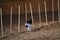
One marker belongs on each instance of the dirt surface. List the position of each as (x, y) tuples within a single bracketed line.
[(48, 32)]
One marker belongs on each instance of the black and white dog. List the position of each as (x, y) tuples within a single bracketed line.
[(28, 25)]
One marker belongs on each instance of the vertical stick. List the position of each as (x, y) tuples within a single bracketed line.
[(58, 12), (11, 21), (31, 14), (45, 11), (39, 13), (26, 12), (18, 18), (52, 10), (1, 24)]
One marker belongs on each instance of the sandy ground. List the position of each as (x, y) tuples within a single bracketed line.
[(48, 32)]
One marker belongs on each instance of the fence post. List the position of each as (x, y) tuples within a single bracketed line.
[(45, 12), (18, 18), (1, 22)]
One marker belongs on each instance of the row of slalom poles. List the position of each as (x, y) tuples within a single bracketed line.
[(39, 13), (32, 14), (18, 20)]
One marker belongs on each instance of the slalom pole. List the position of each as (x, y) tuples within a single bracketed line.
[(31, 14), (25, 12), (52, 10), (58, 12), (39, 13), (11, 21), (18, 18), (1, 24), (45, 12)]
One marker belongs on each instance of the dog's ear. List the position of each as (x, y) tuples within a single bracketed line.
[(30, 21)]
